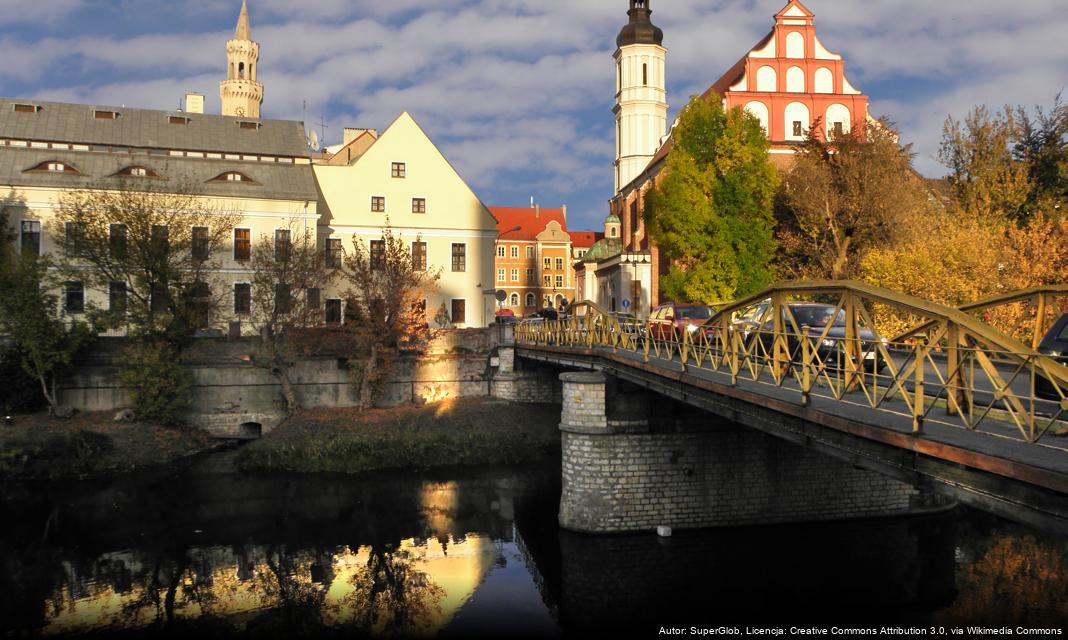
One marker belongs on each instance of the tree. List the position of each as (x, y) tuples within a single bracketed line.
[(30, 317), (711, 214), (157, 243), (386, 305), (846, 197), (1042, 145), (287, 273), (988, 181)]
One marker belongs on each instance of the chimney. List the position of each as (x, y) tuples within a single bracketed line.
[(563, 209), (537, 211), (351, 133), (194, 102)]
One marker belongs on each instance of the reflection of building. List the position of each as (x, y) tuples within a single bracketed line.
[(533, 258), (402, 179), (788, 80)]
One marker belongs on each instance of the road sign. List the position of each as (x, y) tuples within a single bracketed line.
[(501, 295), (626, 303)]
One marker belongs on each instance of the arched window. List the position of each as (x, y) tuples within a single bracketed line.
[(795, 45), (797, 121), (766, 80), (824, 81), (838, 120), (760, 112), (645, 74), (514, 300), (795, 80), (531, 299), (241, 70)]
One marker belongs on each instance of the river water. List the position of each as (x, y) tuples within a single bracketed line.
[(203, 550)]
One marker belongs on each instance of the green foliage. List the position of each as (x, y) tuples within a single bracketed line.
[(29, 316), (74, 452), (711, 214), (160, 387)]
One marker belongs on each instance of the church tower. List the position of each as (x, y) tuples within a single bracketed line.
[(241, 94), (641, 97)]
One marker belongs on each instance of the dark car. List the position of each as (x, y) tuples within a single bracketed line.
[(669, 321), (818, 318), (1055, 345)]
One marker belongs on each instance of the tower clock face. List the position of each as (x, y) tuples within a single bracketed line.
[(240, 111)]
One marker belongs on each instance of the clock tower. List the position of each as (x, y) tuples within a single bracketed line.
[(241, 94)]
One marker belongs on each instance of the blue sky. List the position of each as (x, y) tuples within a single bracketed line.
[(518, 93)]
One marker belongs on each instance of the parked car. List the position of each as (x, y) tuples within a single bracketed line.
[(1055, 345), (750, 319), (669, 321), (816, 317)]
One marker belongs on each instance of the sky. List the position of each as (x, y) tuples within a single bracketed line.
[(518, 94)]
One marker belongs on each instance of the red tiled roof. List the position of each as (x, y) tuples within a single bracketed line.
[(508, 218), (585, 239)]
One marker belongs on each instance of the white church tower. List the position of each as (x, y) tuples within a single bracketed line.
[(641, 97), (241, 95)]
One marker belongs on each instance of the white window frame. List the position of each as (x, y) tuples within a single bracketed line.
[(501, 275), (530, 252), (515, 251), (451, 308), (515, 275), (501, 251)]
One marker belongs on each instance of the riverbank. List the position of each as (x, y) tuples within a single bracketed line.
[(39, 446), (467, 432)]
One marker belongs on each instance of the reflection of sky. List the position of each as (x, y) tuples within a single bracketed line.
[(506, 604)]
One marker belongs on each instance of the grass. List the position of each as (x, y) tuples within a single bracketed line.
[(90, 444), (465, 432)]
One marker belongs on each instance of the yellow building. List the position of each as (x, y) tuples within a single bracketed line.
[(401, 178)]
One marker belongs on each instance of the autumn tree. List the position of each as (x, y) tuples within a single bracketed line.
[(845, 197), (388, 285), (31, 316), (711, 214), (153, 247), (1042, 145), (285, 305)]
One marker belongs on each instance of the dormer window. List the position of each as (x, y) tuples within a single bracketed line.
[(102, 114), (54, 166), (178, 119), (25, 108), (138, 172), (248, 124), (232, 176)]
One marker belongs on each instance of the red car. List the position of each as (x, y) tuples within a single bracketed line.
[(669, 321)]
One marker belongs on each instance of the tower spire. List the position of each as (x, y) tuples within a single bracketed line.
[(243, 31)]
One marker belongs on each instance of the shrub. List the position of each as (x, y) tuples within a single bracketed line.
[(161, 389)]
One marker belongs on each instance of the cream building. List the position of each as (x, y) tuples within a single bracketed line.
[(400, 177)]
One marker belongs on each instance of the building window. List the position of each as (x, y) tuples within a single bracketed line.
[(25, 108), (798, 130), (232, 176), (31, 237), (100, 114), (378, 204), (74, 297), (515, 251), (242, 244), (547, 280), (500, 275), (547, 263), (178, 120), (398, 170), (139, 172), (378, 255), (283, 298), (559, 282), (201, 243), (530, 275), (531, 300), (459, 257), (117, 240), (418, 205), (580, 252), (645, 74), (501, 251), (314, 297), (242, 299), (334, 252), (419, 256), (513, 300), (839, 129), (333, 311), (117, 297), (57, 167), (74, 242), (283, 244), (515, 275), (559, 264), (459, 311), (158, 298), (161, 239), (530, 252)]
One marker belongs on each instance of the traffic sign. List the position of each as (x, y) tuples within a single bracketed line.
[(626, 303), (501, 295)]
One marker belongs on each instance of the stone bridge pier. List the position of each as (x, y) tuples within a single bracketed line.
[(633, 461)]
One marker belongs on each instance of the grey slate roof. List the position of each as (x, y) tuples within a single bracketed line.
[(96, 170), (146, 128)]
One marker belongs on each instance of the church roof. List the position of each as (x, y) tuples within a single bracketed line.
[(243, 30), (150, 129), (603, 249), (531, 222), (640, 29)]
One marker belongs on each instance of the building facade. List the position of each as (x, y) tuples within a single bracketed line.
[(533, 259), (401, 179)]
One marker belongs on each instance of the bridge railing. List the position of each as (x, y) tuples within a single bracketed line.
[(974, 376)]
